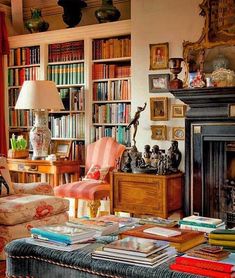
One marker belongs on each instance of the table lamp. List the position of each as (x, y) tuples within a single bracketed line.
[(39, 96)]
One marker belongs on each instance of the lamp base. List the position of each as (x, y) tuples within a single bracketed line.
[(40, 135)]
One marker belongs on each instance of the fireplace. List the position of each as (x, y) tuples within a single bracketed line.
[(210, 152)]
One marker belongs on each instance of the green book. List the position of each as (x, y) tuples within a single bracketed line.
[(198, 224)]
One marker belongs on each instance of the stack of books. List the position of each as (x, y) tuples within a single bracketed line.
[(209, 266), (181, 239), (136, 251), (200, 223), (222, 237), (66, 237), (102, 227)]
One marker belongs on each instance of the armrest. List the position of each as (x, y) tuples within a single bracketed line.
[(34, 188)]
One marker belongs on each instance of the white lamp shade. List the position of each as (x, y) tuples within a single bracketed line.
[(39, 94)]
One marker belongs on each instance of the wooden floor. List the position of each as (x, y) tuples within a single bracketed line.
[(2, 269)]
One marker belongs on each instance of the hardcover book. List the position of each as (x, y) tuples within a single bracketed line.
[(225, 265), (203, 220), (162, 232), (136, 246)]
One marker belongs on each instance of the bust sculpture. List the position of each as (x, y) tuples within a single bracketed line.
[(175, 156)]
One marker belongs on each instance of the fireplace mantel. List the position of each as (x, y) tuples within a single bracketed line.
[(206, 102)]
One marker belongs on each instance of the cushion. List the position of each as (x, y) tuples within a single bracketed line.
[(87, 190), (97, 173), (8, 233), (21, 208), (6, 187)]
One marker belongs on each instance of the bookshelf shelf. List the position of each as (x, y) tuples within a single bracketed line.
[(112, 101), (24, 66), (111, 79), (110, 124), (121, 59), (70, 85), (66, 62), (67, 138)]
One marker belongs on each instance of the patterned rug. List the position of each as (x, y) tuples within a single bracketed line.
[(2, 269)]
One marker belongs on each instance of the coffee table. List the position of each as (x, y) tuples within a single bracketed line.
[(31, 261)]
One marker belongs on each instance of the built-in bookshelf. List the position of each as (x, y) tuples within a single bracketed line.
[(66, 69), (23, 64), (92, 73), (111, 88)]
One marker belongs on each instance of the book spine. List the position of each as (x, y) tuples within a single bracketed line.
[(196, 228), (197, 224), (228, 243), (217, 266), (200, 271), (222, 236)]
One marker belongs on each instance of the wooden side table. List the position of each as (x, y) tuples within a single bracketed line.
[(146, 194), (54, 169)]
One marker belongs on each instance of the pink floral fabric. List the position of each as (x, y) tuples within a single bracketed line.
[(41, 188), (9, 233), (21, 208)]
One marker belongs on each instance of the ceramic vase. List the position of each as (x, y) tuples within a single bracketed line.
[(36, 23), (107, 12)]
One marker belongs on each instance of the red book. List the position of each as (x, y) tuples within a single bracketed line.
[(223, 265), (201, 271)]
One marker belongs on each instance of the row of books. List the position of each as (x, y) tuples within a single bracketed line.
[(13, 94), (115, 90), (20, 118), (119, 133), (17, 76), (200, 223), (24, 56), (103, 71), (112, 113), (78, 151), (70, 126), (66, 74), (111, 48), (73, 98), (67, 51)]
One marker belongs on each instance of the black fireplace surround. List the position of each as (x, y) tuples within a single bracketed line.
[(209, 151)]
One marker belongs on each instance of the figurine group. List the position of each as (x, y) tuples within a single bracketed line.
[(153, 160)]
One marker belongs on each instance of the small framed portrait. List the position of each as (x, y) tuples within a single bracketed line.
[(178, 110), (158, 82), (62, 148), (159, 109), (159, 132), (159, 56), (178, 133)]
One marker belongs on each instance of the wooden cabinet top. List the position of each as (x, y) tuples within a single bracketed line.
[(142, 175)]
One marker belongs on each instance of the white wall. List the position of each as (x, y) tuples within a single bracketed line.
[(158, 21)]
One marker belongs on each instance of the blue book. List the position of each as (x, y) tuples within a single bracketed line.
[(65, 233)]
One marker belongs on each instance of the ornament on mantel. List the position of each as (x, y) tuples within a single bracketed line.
[(72, 11), (36, 23), (107, 12)]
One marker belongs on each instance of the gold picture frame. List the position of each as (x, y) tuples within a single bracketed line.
[(159, 56), (178, 133), (159, 132), (159, 109), (178, 110), (62, 148)]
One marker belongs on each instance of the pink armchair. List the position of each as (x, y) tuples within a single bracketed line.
[(26, 206), (105, 152)]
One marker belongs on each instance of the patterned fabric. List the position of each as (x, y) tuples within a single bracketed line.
[(22, 208), (34, 188), (104, 152), (8, 233), (97, 173), (6, 187)]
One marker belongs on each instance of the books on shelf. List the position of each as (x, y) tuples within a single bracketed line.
[(102, 227), (67, 234), (23, 56), (186, 240)]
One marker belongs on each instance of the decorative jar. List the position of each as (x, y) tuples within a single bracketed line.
[(107, 12)]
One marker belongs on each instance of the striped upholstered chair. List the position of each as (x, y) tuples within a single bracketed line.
[(103, 154)]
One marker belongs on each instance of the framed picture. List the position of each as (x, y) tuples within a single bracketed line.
[(178, 110), (158, 82), (61, 148), (178, 133), (158, 109), (159, 56), (158, 132)]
